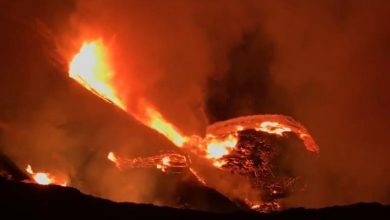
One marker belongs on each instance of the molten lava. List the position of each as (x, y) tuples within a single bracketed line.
[(156, 121), (218, 148), (43, 178), (239, 145), (271, 124), (273, 128), (91, 67), (169, 162)]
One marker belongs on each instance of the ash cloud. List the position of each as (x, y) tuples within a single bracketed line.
[(323, 62), (331, 57)]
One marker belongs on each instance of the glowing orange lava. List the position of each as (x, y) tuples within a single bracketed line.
[(156, 121), (217, 148), (163, 162), (91, 68), (43, 178), (273, 128)]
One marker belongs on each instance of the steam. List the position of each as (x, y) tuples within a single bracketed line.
[(199, 62)]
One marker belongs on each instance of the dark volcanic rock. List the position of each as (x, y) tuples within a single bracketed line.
[(36, 201), (9, 170)]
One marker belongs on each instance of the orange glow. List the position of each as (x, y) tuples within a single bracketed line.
[(162, 162), (43, 178), (256, 206), (91, 68), (111, 156), (201, 180), (156, 121), (217, 148), (273, 128), (272, 124), (166, 160), (219, 163)]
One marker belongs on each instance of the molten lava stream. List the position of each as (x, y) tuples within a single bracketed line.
[(168, 162), (91, 68)]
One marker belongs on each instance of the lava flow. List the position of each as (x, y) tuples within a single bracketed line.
[(169, 162), (91, 68), (43, 178), (228, 145)]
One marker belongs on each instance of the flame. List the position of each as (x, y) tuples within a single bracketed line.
[(43, 178), (91, 68)]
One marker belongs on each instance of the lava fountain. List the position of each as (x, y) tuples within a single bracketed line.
[(91, 67)]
